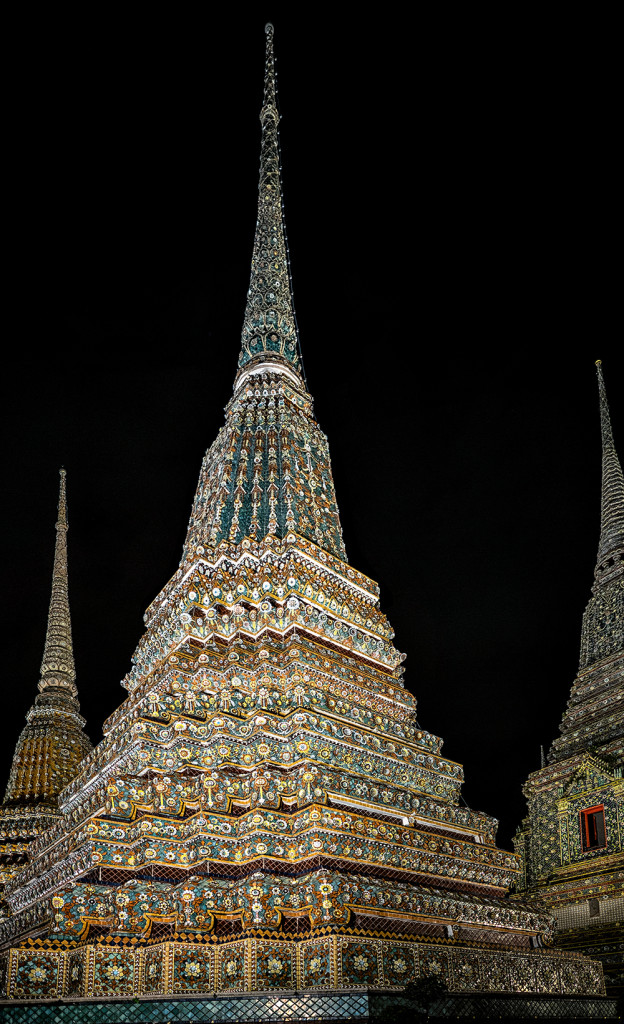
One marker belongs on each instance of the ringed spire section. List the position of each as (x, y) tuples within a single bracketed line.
[(611, 545), (52, 744), (594, 717), (269, 337), (57, 666), (268, 473)]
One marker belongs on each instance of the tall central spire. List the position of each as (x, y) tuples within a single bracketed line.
[(269, 328), (268, 474)]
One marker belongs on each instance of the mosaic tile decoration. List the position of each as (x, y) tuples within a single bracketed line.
[(265, 809), (581, 878), (260, 965)]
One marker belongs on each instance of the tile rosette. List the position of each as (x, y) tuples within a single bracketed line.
[(358, 963), (35, 975), (113, 971), (434, 963), (398, 963), (275, 966), (316, 963), (192, 969), (232, 967)]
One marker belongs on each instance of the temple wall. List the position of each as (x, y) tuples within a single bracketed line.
[(590, 912)]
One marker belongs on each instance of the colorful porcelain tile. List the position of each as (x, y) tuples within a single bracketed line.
[(232, 960), (275, 965)]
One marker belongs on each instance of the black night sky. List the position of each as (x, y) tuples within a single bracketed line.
[(449, 190)]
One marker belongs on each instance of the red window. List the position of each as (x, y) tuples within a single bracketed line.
[(593, 835)]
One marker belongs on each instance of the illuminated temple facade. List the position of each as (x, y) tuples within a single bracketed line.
[(264, 813), (572, 843)]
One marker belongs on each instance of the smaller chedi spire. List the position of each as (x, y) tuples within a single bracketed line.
[(57, 666), (611, 545), (52, 744), (594, 718), (269, 332)]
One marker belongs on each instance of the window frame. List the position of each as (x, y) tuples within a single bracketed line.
[(584, 816)]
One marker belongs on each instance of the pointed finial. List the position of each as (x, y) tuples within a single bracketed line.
[(63, 503), (57, 666), (269, 335), (269, 107), (611, 546), (542, 757), (605, 417)]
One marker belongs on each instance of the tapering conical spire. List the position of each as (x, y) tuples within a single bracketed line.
[(594, 718), (611, 546), (57, 667), (570, 842), (269, 329), (268, 473), (52, 743)]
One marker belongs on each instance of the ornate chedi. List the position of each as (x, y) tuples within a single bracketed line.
[(52, 744), (264, 812), (571, 843)]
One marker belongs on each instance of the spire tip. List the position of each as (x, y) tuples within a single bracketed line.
[(612, 500), (272, 334), (57, 667)]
